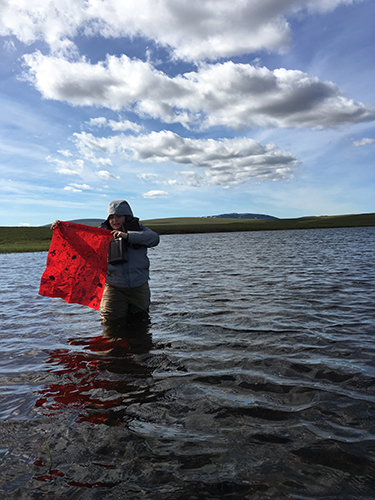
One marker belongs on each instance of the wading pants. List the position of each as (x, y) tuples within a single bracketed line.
[(118, 303)]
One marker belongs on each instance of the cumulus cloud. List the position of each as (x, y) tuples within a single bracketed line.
[(97, 122), (124, 125), (224, 161), (191, 29), (65, 152), (89, 155), (67, 167), (105, 175), (116, 126), (148, 177), (77, 188), (101, 162), (364, 142), (155, 194), (157, 179), (229, 94), (191, 178)]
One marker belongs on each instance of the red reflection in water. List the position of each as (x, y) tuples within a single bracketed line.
[(54, 474), (97, 382), (51, 476), (85, 377)]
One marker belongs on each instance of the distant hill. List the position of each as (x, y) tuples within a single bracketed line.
[(86, 222), (242, 216), (97, 222)]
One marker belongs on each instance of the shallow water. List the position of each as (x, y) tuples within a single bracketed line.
[(254, 379)]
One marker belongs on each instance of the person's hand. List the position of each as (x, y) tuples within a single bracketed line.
[(119, 234), (54, 224)]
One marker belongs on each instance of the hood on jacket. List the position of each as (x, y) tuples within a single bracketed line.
[(118, 207)]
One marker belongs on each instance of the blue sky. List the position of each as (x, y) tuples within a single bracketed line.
[(186, 108)]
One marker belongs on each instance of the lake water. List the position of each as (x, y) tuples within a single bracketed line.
[(254, 379)]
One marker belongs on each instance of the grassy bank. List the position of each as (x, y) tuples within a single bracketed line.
[(37, 239), (210, 225), (24, 239)]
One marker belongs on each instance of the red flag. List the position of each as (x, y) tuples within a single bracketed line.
[(76, 264)]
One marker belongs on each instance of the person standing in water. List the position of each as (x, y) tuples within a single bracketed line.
[(126, 291)]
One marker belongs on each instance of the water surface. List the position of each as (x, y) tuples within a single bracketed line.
[(254, 379)]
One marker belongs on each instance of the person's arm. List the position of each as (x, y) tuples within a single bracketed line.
[(145, 237)]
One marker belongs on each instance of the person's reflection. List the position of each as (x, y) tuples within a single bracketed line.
[(100, 382), (132, 332)]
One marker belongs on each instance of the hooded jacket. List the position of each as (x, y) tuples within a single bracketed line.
[(135, 271)]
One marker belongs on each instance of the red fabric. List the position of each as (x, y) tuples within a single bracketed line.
[(76, 264)]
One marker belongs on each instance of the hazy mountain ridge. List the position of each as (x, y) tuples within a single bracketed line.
[(97, 222), (86, 222), (242, 216)]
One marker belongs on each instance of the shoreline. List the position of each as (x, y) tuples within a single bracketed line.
[(38, 238)]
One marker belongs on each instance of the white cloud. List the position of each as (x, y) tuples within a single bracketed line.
[(105, 175), (9, 46), (86, 151), (67, 171), (364, 142), (102, 162), (148, 177), (49, 20), (98, 122), (117, 126), (191, 29), (155, 194), (77, 187), (124, 125), (157, 179), (229, 94), (65, 152), (67, 168), (224, 161), (189, 178)]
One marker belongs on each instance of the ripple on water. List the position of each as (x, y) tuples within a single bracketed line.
[(254, 379)]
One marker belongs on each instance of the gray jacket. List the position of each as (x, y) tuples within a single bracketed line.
[(134, 272)]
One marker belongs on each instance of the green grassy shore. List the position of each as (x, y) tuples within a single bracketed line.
[(37, 239)]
